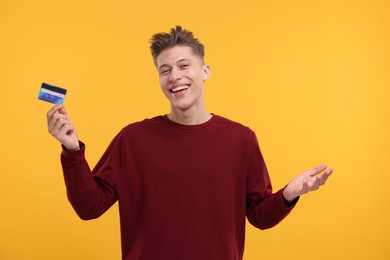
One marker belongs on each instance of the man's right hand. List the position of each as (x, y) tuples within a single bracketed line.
[(60, 127)]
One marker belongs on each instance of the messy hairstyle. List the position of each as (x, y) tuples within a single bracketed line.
[(177, 36)]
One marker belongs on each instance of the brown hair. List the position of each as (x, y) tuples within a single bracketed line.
[(177, 36)]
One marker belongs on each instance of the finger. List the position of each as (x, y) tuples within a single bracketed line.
[(58, 124), (62, 111), (316, 170), (313, 183), (317, 183), (54, 112), (53, 115), (323, 179), (66, 129), (325, 176), (56, 120), (54, 109), (55, 127)]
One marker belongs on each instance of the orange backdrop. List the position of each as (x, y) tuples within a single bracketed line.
[(310, 77)]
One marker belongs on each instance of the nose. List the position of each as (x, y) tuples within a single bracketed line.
[(175, 75)]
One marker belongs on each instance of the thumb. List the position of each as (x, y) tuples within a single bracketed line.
[(62, 110)]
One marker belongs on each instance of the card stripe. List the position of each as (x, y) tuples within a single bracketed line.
[(54, 88)]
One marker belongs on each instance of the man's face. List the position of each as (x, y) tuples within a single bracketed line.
[(182, 74)]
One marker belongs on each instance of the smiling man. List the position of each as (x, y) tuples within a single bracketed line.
[(182, 75), (186, 181)]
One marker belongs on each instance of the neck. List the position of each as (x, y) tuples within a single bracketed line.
[(187, 117)]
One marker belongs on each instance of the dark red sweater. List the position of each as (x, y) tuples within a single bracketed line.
[(183, 191)]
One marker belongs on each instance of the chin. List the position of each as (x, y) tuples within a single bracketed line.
[(181, 105)]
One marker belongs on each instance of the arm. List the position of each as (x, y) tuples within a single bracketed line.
[(90, 193), (273, 207), (264, 208)]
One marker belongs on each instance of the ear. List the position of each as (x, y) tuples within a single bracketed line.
[(206, 72)]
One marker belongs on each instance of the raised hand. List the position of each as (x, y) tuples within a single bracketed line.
[(61, 128)]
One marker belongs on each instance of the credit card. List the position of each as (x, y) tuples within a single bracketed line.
[(52, 94)]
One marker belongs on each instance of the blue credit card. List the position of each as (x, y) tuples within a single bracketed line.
[(52, 94)]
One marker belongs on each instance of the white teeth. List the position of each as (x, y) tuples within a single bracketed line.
[(179, 88)]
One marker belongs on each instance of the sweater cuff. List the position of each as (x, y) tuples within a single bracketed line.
[(73, 155), (288, 204)]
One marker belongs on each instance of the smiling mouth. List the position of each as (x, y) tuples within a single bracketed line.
[(179, 89)]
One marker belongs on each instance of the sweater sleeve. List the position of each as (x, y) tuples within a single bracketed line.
[(91, 193), (264, 208)]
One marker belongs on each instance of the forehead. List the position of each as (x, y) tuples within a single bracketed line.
[(175, 54)]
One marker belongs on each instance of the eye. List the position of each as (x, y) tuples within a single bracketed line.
[(184, 66), (164, 71)]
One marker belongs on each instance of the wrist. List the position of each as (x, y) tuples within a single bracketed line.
[(72, 148), (288, 196)]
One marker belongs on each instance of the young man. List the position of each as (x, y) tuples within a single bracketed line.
[(186, 181)]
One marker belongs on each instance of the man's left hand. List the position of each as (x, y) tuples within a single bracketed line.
[(306, 182)]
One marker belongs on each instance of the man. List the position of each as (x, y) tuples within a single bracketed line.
[(186, 181)]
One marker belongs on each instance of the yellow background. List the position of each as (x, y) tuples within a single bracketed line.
[(310, 77)]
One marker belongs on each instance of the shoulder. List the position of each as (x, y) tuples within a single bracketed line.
[(143, 127), (232, 125), (234, 128), (145, 123)]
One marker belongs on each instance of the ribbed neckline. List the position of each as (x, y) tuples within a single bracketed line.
[(190, 127)]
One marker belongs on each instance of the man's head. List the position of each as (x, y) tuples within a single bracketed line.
[(178, 57), (176, 37)]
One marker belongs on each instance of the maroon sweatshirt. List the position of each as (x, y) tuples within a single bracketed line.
[(183, 191)]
